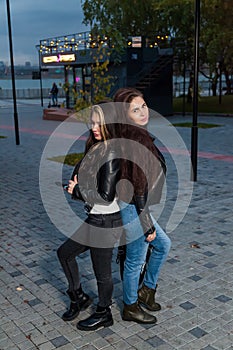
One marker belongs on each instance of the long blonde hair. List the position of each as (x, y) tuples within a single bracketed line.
[(103, 128), (108, 127)]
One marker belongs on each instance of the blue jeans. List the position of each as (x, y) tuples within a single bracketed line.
[(136, 249), (54, 99)]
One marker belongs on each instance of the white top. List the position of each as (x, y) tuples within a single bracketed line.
[(105, 209)]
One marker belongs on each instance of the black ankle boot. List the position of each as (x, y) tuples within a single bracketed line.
[(134, 312), (79, 301), (83, 299), (96, 320)]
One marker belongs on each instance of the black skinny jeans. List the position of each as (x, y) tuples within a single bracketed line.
[(92, 234)]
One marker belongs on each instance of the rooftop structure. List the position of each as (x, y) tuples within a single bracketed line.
[(146, 63)]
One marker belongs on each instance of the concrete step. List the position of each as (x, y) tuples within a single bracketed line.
[(56, 113)]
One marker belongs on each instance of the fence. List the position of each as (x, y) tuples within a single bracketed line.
[(204, 88), (178, 90), (28, 93)]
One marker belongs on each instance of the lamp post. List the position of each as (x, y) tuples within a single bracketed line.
[(184, 88), (40, 72), (194, 140), (12, 74)]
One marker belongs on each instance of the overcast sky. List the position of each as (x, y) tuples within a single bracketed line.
[(32, 21)]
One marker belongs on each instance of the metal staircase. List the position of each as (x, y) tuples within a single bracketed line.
[(151, 73)]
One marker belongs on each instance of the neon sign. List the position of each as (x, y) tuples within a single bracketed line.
[(59, 58)]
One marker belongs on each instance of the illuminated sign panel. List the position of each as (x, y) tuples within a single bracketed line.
[(59, 58), (136, 41), (49, 59)]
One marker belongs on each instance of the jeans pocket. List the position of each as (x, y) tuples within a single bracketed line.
[(95, 220)]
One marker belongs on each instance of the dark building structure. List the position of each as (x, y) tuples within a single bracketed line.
[(144, 65)]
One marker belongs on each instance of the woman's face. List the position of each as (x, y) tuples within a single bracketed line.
[(138, 111), (95, 126)]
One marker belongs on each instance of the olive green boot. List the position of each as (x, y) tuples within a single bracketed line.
[(146, 297), (134, 312)]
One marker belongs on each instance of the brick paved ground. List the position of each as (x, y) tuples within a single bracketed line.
[(196, 284)]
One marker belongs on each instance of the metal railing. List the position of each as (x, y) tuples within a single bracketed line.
[(205, 88), (72, 42)]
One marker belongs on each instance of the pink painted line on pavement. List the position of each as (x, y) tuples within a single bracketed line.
[(44, 132), (207, 155), (223, 157)]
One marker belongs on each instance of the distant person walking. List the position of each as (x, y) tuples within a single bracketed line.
[(54, 93)]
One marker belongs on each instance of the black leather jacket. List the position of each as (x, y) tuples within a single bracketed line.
[(98, 187)]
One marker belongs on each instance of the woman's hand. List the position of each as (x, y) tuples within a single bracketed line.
[(151, 237), (72, 184)]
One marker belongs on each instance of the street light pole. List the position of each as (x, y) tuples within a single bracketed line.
[(40, 72), (184, 72), (12, 74), (194, 140)]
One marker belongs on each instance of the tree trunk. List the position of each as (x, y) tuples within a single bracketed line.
[(190, 88), (214, 87), (215, 83), (228, 82)]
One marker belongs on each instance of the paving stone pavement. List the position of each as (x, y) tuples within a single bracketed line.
[(196, 283)]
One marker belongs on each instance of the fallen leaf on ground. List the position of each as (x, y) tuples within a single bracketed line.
[(194, 245)]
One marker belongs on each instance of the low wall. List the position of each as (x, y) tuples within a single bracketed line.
[(28, 93)]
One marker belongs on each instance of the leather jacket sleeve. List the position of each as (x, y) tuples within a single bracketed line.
[(76, 170), (104, 190), (144, 215)]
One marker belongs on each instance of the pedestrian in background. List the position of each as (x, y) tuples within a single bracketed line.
[(54, 93)]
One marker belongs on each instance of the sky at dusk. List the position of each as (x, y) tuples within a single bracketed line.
[(32, 21)]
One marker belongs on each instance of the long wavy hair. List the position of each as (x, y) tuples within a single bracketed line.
[(123, 98), (131, 170), (127, 94), (109, 129)]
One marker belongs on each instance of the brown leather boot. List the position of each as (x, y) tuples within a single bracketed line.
[(134, 312), (146, 297)]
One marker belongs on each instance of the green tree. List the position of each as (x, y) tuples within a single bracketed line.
[(177, 18), (216, 34), (121, 18), (217, 39), (102, 80)]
